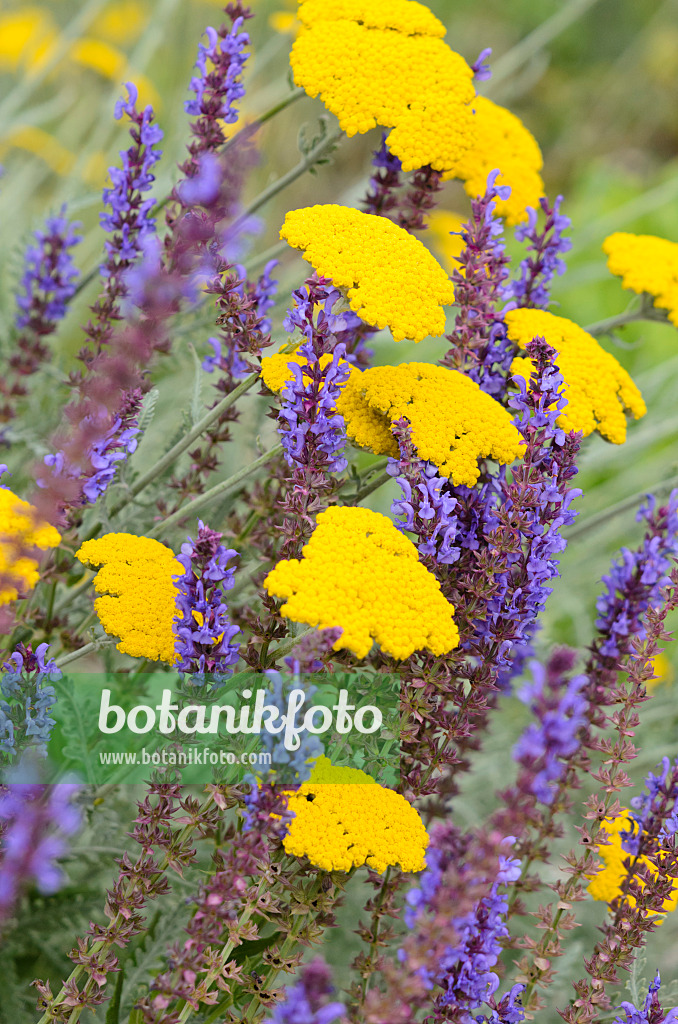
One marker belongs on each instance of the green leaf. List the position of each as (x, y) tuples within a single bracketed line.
[(113, 1013)]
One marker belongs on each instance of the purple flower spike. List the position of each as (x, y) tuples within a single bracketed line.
[(481, 69), (307, 1001), (204, 631), (547, 246), (651, 1011), (49, 278)]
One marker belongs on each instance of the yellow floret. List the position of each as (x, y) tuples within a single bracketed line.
[(392, 279), (646, 263), (139, 594), (453, 421), (360, 573), (503, 141), (605, 884), (343, 819), (597, 388), (275, 371), (445, 228), (19, 532), (384, 62)]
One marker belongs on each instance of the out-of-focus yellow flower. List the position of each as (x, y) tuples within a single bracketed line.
[(598, 389), (34, 140), (445, 226), (360, 573), (343, 819), (95, 170), (453, 421), (503, 141), (385, 62), (646, 263), (276, 373), (99, 56), (285, 22), (20, 532), (121, 22), (392, 280), (663, 671), (25, 35), (605, 884), (139, 594)]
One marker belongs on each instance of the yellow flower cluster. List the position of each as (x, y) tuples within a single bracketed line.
[(360, 573), (139, 593), (275, 370), (343, 819), (646, 263), (445, 227), (605, 885), (503, 141), (19, 531), (385, 62), (598, 388), (453, 422), (392, 279)]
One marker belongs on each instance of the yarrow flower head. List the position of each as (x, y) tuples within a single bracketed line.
[(453, 422), (598, 389), (648, 264), (385, 62), (20, 536), (343, 819), (391, 278), (606, 884), (50, 276), (503, 141), (358, 572), (204, 631), (137, 581)]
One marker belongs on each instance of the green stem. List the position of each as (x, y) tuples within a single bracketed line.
[(218, 491), (82, 651), (186, 441), (372, 485), (658, 489), (311, 158), (540, 37), (647, 311), (376, 918), (282, 105)]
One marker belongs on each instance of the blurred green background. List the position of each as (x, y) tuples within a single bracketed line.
[(596, 84)]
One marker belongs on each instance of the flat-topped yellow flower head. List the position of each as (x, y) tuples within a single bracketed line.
[(139, 594), (503, 142), (453, 422), (605, 884), (343, 819), (646, 263), (390, 277), (384, 62), (276, 372), (598, 389), (19, 532), (360, 573)]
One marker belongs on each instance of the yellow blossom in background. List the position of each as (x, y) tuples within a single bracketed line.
[(344, 819), (605, 884), (275, 371), (19, 532), (25, 36), (453, 421), (138, 602), (384, 62), (663, 671), (598, 389), (392, 280), (646, 263), (445, 228), (502, 141), (41, 144), (120, 22), (285, 22), (99, 56), (360, 573)]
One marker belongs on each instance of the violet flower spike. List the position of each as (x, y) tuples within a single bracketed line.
[(49, 278), (307, 1001), (26, 699), (536, 271), (480, 67), (204, 631), (651, 1011)]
